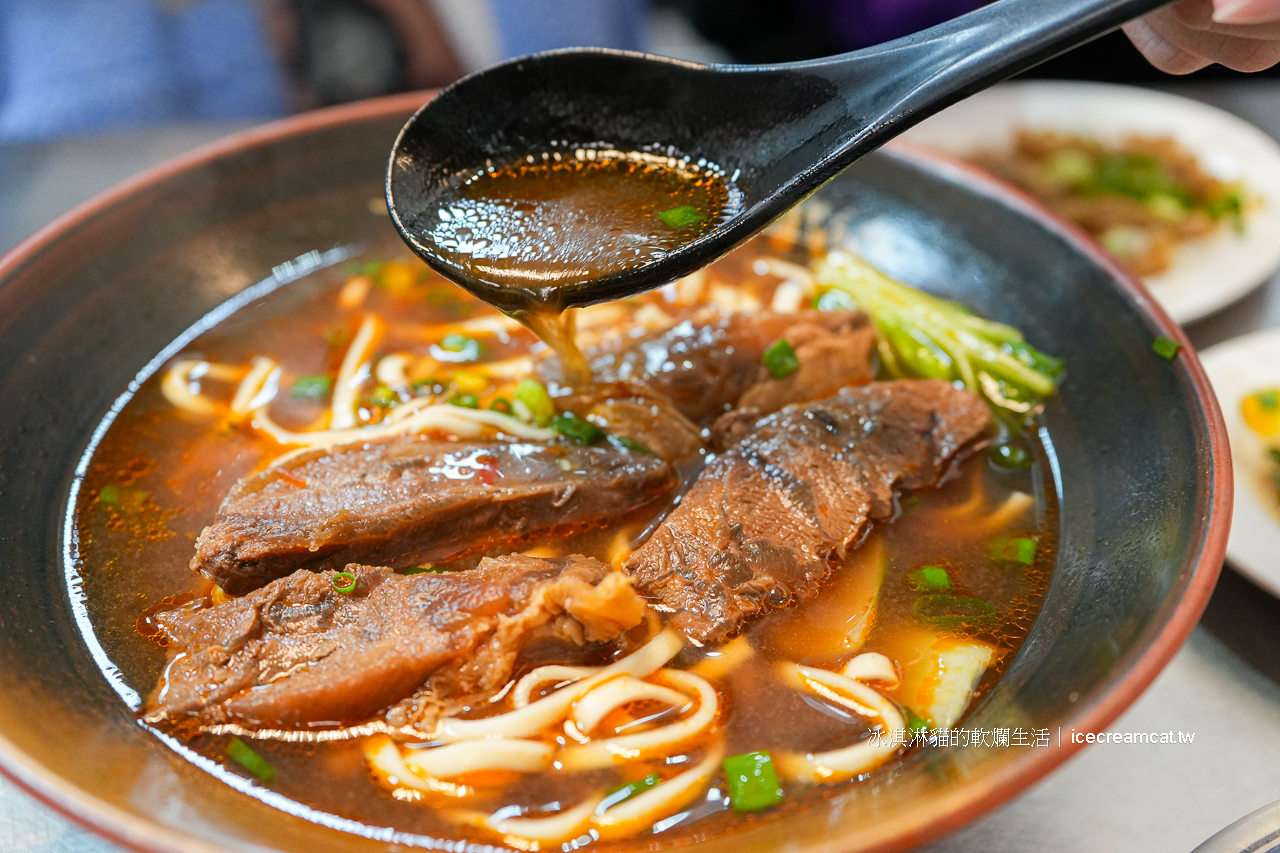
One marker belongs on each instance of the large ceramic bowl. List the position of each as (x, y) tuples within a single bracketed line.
[(1137, 448)]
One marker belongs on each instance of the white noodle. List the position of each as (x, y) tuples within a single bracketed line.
[(862, 757), (176, 385), (354, 370), (647, 808), (391, 369), (258, 388), (529, 833), (469, 756), (590, 710), (523, 691), (536, 716), (872, 666), (663, 740)]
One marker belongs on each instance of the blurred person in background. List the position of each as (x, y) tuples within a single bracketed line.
[(77, 66)]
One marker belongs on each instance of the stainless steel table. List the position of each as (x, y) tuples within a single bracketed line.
[(1223, 687)]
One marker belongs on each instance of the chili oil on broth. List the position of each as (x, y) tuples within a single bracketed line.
[(159, 474)]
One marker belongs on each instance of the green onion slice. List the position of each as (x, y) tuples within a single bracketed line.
[(1166, 348), (752, 781), (781, 359), (344, 582), (679, 217), (1015, 549), (627, 790), (929, 579), (532, 403), (314, 388), (576, 429), (241, 753), (954, 611), (465, 401)]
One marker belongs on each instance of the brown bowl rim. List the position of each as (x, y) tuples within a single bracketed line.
[(993, 789)]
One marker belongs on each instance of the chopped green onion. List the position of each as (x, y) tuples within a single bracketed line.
[(923, 335), (469, 349), (110, 494), (465, 401), (929, 579), (314, 388), (1019, 549), (910, 503), (623, 443), (384, 397), (531, 402), (429, 385), (241, 753), (371, 268), (781, 359), (627, 790), (344, 582), (501, 405), (953, 611), (1009, 456), (916, 724), (679, 217), (833, 299), (580, 431), (1268, 399), (419, 570), (752, 781), (1166, 348)]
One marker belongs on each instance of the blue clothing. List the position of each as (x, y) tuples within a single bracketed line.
[(528, 26), (69, 66)]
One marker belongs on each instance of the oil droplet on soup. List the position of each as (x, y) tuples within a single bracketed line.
[(545, 223)]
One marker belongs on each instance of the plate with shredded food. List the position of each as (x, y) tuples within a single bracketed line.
[(1186, 195), (1245, 377)]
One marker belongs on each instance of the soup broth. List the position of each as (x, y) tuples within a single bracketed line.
[(390, 336)]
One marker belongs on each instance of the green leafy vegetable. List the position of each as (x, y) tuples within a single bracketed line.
[(916, 724), (1018, 549), (781, 359), (344, 582), (679, 217), (532, 403), (929, 579), (576, 429), (467, 349), (922, 335), (833, 299), (314, 388), (752, 781), (465, 401), (1166, 348), (623, 443), (241, 753), (1009, 456), (954, 611), (627, 790), (384, 397)]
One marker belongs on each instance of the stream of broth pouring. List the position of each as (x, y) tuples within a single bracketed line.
[(541, 227)]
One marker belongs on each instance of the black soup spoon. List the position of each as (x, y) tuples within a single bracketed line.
[(777, 131)]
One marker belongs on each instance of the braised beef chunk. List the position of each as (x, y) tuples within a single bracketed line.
[(409, 500), (707, 368), (763, 522), (298, 654)]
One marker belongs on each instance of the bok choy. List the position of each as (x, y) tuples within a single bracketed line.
[(921, 335)]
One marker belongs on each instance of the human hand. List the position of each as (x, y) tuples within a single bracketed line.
[(1190, 34)]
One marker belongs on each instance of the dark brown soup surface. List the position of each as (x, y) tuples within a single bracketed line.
[(560, 219), (927, 610)]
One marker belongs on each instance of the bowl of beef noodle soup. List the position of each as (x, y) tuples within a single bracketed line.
[(307, 548)]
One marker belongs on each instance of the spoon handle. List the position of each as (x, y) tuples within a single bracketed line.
[(937, 67)]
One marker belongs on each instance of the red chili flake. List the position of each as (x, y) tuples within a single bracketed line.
[(291, 479), (488, 475)]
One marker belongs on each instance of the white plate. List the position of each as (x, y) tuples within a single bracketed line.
[(1207, 274), (1237, 368)]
